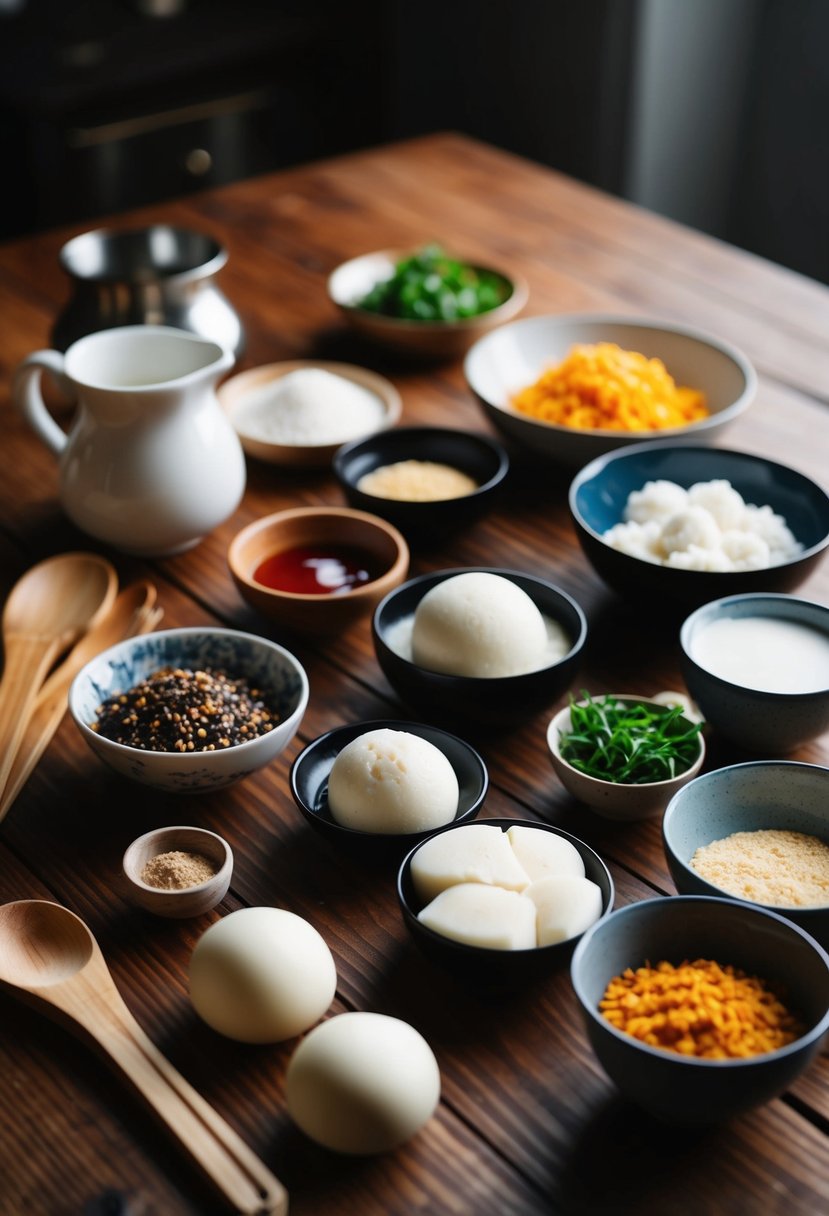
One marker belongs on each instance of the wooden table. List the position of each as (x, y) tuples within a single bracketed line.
[(528, 1122)]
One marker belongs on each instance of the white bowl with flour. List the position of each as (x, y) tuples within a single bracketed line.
[(301, 412)]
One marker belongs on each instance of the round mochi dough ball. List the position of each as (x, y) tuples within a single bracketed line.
[(478, 624), (261, 975), (362, 1083), (392, 781)]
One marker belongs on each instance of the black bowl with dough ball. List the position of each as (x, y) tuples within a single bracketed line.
[(521, 635), (400, 805), (428, 481), (503, 968)]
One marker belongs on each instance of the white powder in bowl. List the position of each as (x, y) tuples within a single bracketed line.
[(309, 406)]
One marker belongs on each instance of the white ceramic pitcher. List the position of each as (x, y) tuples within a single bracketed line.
[(150, 463)]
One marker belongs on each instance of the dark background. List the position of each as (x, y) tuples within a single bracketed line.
[(713, 112)]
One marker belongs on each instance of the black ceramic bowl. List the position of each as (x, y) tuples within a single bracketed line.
[(311, 769), (481, 458), (599, 492), (495, 969), (488, 702), (685, 1089)]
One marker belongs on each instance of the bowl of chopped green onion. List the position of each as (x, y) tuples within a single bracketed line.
[(424, 302), (625, 756)]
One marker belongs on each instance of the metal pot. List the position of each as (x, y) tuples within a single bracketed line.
[(156, 276)]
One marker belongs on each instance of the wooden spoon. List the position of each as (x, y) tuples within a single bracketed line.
[(48, 609), (133, 613), (49, 958)]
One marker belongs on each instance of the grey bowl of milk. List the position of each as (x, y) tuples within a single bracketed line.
[(758, 667)]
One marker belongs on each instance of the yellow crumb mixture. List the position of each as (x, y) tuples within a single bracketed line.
[(770, 866), (699, 1009), (604, 387)]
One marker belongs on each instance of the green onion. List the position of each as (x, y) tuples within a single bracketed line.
[(431, 286), (630, 744)]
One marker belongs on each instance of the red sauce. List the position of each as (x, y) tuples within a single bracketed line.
[(318, 570)]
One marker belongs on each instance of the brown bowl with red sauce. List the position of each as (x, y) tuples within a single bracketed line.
[(317, 569)]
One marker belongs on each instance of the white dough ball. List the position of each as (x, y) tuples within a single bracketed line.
[(478, 624), (392, 781), (362, 1083), (261, 975)]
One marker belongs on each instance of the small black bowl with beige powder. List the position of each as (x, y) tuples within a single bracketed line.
[(178, 871), (428, 481)]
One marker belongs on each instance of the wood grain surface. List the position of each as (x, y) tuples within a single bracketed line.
[(528, 1123)]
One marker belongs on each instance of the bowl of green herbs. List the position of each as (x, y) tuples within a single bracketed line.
[(625, 756), (424, 301)]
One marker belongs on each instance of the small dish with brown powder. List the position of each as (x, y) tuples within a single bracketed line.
[(178, 871), (427, 481)]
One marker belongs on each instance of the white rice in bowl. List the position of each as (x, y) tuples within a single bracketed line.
[(707, 527)]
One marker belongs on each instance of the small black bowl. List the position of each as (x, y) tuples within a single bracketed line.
[(498, 969), (312, 767), (481, 458), (599, 492), (488, 702)]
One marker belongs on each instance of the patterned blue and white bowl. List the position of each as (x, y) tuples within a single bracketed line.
[(264, 664)]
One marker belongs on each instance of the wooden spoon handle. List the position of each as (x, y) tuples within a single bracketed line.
[(27, 661), (50, 704), (219, 1152)]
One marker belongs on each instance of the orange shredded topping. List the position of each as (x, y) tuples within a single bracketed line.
[(604, 387), (700, 1009)]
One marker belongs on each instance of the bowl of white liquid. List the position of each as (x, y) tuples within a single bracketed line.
[(758, 668)]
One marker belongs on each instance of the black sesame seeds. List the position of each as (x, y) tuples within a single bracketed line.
[(179, 710)]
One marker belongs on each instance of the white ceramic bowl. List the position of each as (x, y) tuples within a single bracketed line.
[(264, 664), (613, 799), (235, 391), (514, 356)]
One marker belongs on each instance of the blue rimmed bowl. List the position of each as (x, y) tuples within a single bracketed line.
[(599, 492), (266, 666)]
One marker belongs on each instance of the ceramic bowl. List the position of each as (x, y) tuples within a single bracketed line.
[(513, 357), (189, 901), (481, 458), (353, 280), (599, 492), (265, 665), (766, 794), (236, 392), (771, 723), (312, 768), (497, 969), (497, 702), (611, 799), (683, 1089), (331, 528)]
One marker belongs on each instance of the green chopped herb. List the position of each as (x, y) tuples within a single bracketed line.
[(629, 743), (431, 286)]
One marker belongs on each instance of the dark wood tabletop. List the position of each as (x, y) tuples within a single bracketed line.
[(528, 1122)]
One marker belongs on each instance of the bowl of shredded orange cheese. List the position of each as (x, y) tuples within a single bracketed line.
[(698, 1008), (573, 387)]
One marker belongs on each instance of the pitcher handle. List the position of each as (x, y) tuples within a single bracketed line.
[(28, 399)]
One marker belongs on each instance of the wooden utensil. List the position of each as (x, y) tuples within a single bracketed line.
[(133, 613), (48, 609), (49, 958)]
